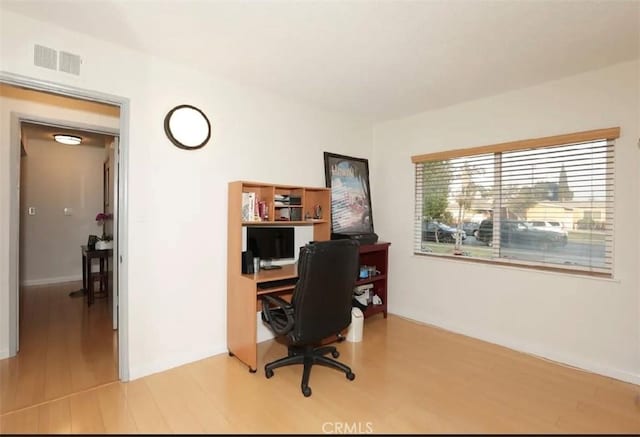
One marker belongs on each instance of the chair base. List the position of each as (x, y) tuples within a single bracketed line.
[(308, 356)]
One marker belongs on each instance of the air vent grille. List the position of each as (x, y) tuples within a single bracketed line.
[(70, 63), (45, 57)]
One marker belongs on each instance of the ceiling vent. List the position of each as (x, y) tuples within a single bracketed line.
[(45, 57), (70, 63)]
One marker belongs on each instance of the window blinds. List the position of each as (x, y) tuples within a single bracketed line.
[(547, 206)]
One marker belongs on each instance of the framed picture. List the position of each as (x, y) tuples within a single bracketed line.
[(348, 178)]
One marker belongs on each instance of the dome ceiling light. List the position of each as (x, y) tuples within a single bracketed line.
[(72, 140)]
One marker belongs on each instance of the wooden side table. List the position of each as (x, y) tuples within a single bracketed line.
[(87, 278)]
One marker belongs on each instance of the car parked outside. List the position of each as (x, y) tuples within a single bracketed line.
[(485, 231), (536, 235), (445, 234), (471, 228), (545, 225)]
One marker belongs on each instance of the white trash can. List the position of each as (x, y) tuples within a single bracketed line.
[(354, 334)]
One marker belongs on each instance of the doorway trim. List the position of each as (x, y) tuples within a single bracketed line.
[(122, 255)]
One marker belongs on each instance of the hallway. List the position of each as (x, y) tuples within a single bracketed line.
[(65, 347)]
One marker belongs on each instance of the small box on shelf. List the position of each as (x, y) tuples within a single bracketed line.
[(283, 214), (296, 214), (263, 210), (295, 200)]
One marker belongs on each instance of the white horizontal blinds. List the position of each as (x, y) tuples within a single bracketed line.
[(472, 190), (418, 205), (451, 192), (433, 179), (475, 194), (544, 202), (557, 203)]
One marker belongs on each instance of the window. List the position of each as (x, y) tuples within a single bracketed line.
[(544, 203)]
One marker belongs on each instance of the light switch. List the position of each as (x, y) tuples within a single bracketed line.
[(31, 210), (68, 211)]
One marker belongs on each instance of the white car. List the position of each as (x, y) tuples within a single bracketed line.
[(546, 226)]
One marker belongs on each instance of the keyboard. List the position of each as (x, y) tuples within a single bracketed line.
[(277, 283)]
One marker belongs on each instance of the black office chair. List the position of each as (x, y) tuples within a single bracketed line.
[(320, 307)]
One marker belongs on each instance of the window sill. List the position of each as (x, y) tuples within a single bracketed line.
[(555, 271)]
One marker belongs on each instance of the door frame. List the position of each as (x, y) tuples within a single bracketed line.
[(121, 246)]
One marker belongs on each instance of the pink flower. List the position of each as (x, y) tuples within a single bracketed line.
[(103, 216)]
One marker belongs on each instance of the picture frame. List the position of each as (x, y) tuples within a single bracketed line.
[(348, 178)]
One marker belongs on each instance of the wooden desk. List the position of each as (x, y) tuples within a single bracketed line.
[(243, 303), (87, 281), (243, 299)]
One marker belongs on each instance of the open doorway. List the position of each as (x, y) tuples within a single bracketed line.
[(61, 343)]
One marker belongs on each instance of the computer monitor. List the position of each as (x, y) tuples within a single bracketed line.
[(271, 243)]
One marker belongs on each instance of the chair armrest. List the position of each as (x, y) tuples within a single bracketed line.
[(279, 325)]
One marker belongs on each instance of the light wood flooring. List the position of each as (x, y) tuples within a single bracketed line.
[(65, 347), (411, 378)]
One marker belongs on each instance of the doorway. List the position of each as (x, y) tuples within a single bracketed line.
[(119, 212), (66, 341)]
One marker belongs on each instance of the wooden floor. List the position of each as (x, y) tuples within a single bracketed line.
[(65, 347), (411, 378)]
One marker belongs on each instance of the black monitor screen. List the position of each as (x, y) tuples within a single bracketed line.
[(270, 243)]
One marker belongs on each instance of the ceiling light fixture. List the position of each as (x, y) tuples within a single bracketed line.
[(67, 139)]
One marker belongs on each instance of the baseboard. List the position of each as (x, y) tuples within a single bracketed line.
[(540, 353), (46, 281), (4, 353)]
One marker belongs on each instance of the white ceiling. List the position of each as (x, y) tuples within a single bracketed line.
[(379, 59)]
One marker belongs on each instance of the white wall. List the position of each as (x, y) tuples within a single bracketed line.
[(54, 177), (589, 323), (177, 198)]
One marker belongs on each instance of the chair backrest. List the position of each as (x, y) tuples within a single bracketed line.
[(322, 298)]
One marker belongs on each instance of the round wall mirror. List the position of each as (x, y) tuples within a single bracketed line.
[(187, 127)]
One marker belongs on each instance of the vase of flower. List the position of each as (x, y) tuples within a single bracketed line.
[(104, 242)]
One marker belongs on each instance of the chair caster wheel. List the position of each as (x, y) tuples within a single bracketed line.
[(252, 370), (335, 354), (351, 376), (306, 391), (268, 373)]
